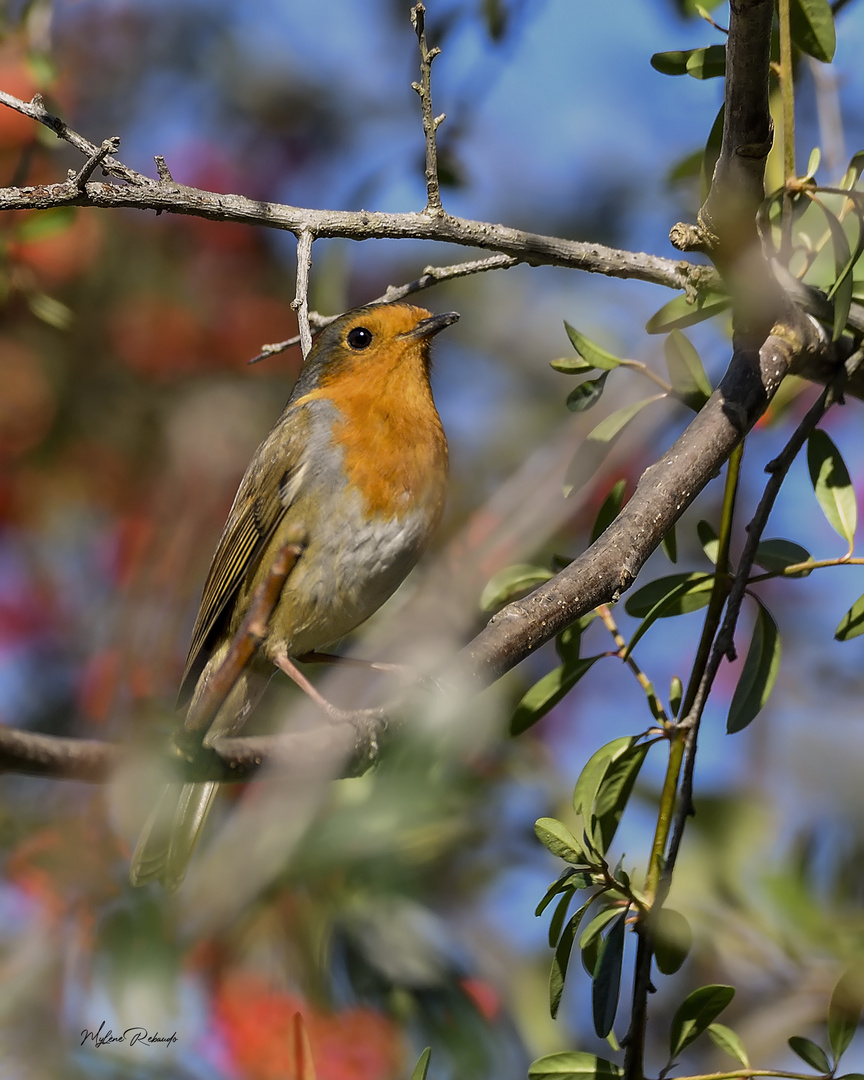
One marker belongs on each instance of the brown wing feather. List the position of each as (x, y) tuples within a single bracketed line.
[(258, 508)]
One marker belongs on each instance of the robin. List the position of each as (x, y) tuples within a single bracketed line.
[(357, 465)]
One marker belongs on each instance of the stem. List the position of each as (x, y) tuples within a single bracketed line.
[(787, 91), (721, 583), (682, 736), (657, 709), (430, 121)]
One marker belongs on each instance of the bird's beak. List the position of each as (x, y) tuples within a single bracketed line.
[(427, 328)]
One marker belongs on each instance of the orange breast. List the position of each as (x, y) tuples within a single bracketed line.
[(393, 444)]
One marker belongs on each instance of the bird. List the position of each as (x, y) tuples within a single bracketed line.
[(357, 466)]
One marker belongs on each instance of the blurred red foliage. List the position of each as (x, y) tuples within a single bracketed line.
[(256, 1024)]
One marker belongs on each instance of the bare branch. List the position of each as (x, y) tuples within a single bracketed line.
[(36, 110), (663, 493), (163, 170), (432, 275), (430, 121), (164, 196), (728, 216), (109, 146), (300, 303)]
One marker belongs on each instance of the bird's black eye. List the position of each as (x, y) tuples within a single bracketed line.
[(359, 337)]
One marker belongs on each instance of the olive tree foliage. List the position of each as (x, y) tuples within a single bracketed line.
[(782, 265)]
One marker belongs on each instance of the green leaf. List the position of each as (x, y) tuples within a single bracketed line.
[(422, 1066), (567, 879), (844, 1011), (841, 290), (512, 582), (711, 154), (561, 959), (776, 554), (669, 543), (555, 835), (571, 365), (709, 540), (696, 1012), (607, 979), (810, 1052), (613, 793), (615, 422), (832, 485), (584, 396), (813, 163), (758, 674), (559, 915), (686, 373), (644, 600), (545, 694), (729, 1042), (688, 595), (573, 1065), (680, 312), (812, 26), (589, 942), (676, 695), (702, 63), (673, 940), (590, 351), (569, 641), (610, 509), (853, 172), (707, 63), (595, 768), (852, 623)]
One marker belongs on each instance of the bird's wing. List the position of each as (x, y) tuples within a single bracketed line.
[(263, 497)]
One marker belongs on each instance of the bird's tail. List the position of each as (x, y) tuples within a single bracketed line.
[(170, 834)]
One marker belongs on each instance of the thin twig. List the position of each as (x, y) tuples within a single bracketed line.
[(163, 170), (431, 275), (300, 303), (109, 146), (431, 122), (35, 109), (724, 642), (248, 638)]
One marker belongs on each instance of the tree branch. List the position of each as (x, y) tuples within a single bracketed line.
[(432, 275), (166, 196), (663, 493)]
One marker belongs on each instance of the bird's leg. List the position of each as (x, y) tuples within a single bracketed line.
[(284, 663)]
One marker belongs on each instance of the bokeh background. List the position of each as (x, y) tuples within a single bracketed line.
[(395, 910)]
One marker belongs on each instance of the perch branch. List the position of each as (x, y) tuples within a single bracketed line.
[(165, 196)]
